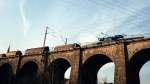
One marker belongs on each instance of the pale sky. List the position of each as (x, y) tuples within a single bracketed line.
[(23, 22)]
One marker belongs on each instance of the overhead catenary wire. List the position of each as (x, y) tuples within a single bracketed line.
[(59, 36)]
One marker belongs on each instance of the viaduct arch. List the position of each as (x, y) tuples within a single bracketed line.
[(135, 64), (91, 67), (6, 74), (57, 70), (28, 73)]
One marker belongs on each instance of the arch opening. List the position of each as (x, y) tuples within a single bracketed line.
[(91, 67), (145, 74), (6, 74), (106, 73), (57, 71), (135, 65), (28, 74), (67, 73)]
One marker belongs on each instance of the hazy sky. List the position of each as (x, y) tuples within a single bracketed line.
[(23, 22)]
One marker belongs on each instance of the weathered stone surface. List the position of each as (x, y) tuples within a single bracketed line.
[(48, 67)]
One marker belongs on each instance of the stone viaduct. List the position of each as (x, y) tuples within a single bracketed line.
[(44, 66)]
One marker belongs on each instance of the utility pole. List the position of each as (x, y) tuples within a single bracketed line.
[(45, 36), (44, 52), (45, 57), (66, 41), (8, 50)]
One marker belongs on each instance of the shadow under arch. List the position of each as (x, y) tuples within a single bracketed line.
[(135, 64), (28, 74), (57, 70), (91, 67), (6, 74)]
